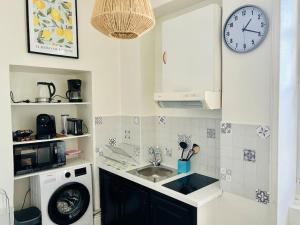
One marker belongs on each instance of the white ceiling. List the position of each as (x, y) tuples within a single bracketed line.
[(164, 7)]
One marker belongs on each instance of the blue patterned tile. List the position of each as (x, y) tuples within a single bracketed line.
[(226, 128), (249, 155), (211, 133), (262, 196), (263, 132)]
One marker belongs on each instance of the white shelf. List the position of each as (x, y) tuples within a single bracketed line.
[(69, 137), (51, 104), (70, 163)]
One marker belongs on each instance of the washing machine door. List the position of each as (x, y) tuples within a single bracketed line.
[(68, 203)]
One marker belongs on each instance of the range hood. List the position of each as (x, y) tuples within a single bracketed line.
[(209, 100)]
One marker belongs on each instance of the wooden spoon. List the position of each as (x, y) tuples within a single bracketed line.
[(196, 149)]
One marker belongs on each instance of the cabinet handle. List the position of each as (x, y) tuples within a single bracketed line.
[(165, 57)]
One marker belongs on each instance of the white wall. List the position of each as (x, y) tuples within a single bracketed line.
[(97, 54), (246, 77), (137, 76)]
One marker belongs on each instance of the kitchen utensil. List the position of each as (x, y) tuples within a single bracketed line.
[(74, 90), (183, 146), (195, 149), (190, 151), (46, 91), (183, 166)]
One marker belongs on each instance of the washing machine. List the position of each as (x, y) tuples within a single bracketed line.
[(64, 196)]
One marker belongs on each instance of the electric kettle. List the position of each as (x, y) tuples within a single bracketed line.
[(46, 91)]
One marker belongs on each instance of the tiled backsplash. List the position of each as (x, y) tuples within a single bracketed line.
[(245, 152), (201, 131), (166, 133), (238, 154)]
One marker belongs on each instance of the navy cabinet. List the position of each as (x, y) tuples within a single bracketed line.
[(168, 211), (124, 202)]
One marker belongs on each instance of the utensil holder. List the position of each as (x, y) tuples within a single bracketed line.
[(184, 166)]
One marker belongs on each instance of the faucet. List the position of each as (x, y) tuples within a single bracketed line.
[(155, 156)]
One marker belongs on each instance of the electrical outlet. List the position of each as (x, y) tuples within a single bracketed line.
[(99, 151), (127, 134), (169, 152)]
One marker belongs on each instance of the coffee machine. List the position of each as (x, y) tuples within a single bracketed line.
[(74, 90), (45, 127)]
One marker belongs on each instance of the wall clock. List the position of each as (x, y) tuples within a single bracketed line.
[(246, 29)]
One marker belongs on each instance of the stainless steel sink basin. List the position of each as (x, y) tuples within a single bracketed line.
[(154, 174)]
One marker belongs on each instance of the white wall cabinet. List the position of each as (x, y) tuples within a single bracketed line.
[(191, 57)]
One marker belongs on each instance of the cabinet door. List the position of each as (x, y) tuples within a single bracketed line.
[(122, 202), (167, 211), (134, 204), (110, 199), (191, 51)]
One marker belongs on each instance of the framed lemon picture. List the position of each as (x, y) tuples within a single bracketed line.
[(52, 27)]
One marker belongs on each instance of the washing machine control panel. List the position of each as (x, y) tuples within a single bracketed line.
[(67, 175), (80, 172)]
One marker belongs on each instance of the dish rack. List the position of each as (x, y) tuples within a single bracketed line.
[(5, 210)]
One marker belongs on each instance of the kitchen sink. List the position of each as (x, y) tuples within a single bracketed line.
[(154, 173)]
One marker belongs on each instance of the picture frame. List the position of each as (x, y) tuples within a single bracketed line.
[(52, 28)]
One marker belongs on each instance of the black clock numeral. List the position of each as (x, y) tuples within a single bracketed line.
[(228, 33), (252, 12), (231, 40), (231, 25), (253, 42), (244, 13), (263, 24), (259, 16), (244, 46), (236, 45), (236, 18)]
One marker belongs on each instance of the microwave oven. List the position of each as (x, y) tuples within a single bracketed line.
[(36, 157)]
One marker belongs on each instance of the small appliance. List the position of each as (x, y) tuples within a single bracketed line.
[(75, 126), (35, 157), (74, 90), (190, 183), (64, 124), (64, 196), (29, 216), (46, 91), (45, 127)]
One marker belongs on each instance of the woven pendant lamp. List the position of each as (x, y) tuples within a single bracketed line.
[(123, 19)]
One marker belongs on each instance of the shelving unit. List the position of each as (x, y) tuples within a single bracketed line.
[(69, 137), (70, 163), (51, 104), (23, 83)]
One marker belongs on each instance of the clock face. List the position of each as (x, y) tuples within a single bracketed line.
[(246, 29)]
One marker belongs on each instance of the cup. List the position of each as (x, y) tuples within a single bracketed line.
[(184, 166)]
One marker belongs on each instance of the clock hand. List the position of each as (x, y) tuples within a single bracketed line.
[(244, 40), (253, 31), (245, 28)]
